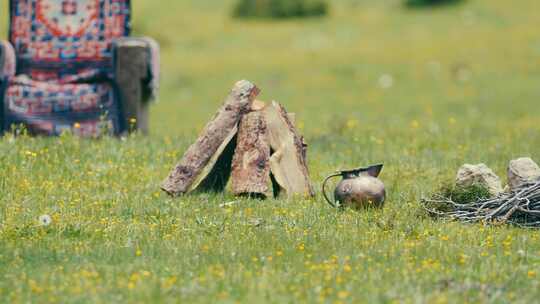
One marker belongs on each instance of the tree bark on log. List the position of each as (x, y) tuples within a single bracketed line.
[(197, 170), (250, 167), (288, 163)]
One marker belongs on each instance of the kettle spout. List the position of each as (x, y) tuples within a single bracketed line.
[(374, 171)]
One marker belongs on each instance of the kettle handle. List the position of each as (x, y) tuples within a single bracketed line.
[(332, 203)]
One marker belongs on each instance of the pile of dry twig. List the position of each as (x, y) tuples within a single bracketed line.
[(520, 207)]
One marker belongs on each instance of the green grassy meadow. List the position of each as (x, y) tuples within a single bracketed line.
[(421, 90)]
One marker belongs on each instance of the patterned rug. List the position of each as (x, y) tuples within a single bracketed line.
[(64, 65)]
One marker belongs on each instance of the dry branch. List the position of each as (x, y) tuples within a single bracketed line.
[(520, 207)]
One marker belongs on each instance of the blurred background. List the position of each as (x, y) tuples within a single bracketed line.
[(378, 67)]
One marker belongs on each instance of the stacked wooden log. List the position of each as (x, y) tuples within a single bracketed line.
[(249, 141)]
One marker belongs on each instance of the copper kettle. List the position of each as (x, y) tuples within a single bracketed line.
[(359, 189)]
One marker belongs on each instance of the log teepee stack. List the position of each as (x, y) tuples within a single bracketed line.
[(253, 143)]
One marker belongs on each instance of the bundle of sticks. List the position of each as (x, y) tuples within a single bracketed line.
[(520, 207)]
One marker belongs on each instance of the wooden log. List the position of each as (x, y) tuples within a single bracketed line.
[(258, 105), (288, 162), (250, 167), (206, 164)]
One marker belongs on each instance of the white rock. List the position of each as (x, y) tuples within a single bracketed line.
[(481, 175), (522, 171)]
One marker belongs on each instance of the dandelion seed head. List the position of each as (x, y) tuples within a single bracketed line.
[(45, 220), (386, 81)]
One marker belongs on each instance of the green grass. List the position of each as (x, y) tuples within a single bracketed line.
[(466, 89)]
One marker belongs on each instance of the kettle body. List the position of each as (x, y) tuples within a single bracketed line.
[(358, 189)]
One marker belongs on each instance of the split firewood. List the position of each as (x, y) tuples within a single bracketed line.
[(292, 118), (207, 163), (288, 162), (258, 105), (250, 167)]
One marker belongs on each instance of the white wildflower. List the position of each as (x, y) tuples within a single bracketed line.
[(227, 205), (386, 81), (45, 220), (129, 243)]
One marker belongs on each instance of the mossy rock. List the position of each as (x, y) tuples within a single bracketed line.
[(458, 195), (465, 195)]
